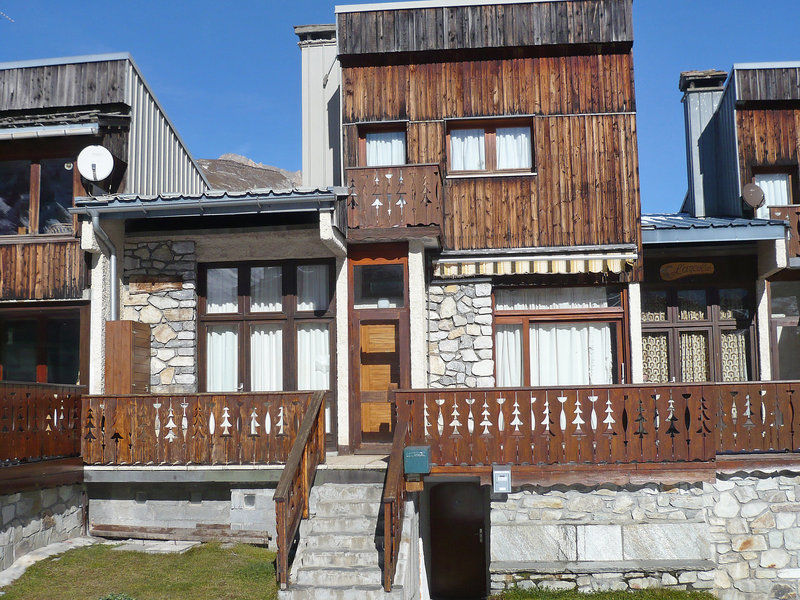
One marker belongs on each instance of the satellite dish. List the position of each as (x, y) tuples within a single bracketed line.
[(753, 195), (95, 163)]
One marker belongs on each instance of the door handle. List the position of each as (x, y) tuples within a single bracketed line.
[(480, 535)]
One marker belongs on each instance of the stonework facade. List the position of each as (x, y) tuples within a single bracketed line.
[(34, 519), (460, 340), (738, 537), (159, 282)]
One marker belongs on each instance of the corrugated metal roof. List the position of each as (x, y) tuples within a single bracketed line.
[(670, 228)]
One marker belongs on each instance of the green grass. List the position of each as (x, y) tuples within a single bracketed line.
[(655, 594), (208, 571)]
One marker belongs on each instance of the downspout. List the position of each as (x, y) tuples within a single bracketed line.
[(112, 259)]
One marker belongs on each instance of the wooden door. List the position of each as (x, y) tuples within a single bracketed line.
[(380, 372), (458, 521)]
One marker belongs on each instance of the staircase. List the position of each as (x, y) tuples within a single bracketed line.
[(337, 556)]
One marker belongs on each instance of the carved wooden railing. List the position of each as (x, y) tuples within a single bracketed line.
[(294, 486), (202, 429), (40, 270), (791, 214), (403, 196), (394, 494), (39, 421)]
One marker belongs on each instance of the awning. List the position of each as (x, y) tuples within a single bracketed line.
[(544, 264)]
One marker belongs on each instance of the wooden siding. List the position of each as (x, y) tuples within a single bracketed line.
[(43, 270), (765, 85), (546, 85), (767, 138), (586, 191), (485, 26), (63, 85)]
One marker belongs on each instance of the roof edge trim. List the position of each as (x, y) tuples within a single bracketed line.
[(65, 60), (419, 4)]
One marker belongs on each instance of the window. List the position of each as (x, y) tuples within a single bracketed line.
[(697, 334), (558, 336), (491, 149), (777, 188), (385, 148), (378, 286), (35, 196), (266, 327), (41, 348), (785, 321)]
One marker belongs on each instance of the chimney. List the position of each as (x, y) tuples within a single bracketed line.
[(321, 85), (702, 92)]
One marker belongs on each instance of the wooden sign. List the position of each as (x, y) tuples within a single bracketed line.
[(679, 270)]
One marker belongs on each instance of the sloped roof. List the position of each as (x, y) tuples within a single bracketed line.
[(671, 228)]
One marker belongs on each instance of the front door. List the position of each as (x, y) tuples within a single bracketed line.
[(379, 341), (458, 541)]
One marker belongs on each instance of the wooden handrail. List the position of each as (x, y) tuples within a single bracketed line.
[(394, 497), (291, 494), (39, 421)]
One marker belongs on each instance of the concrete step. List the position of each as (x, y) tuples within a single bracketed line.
[(355, 509), (361, 592), (345, 492), (363, 525), (325, 557), (340, 541), (326, 577)]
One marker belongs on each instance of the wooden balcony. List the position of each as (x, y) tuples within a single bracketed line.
[(37, 269), (790, 214), (198, 429), (394, 197)]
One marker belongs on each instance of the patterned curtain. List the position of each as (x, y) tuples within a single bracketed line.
[(655, 349), (694, 356), (734, 355)]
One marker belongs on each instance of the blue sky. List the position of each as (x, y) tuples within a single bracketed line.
[(228, 73)]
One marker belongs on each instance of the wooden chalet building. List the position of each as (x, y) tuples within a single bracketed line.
[(569, 394)]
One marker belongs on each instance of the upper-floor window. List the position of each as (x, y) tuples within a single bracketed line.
[(385, 148), (489, 148), (778, 189), (35, 196)]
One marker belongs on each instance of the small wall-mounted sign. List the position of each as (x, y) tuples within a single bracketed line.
[(679, 270)]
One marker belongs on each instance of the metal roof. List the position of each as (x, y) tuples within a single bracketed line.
[(65, 60), (212, 202), (781, 64), (682, 228), (417, 4)]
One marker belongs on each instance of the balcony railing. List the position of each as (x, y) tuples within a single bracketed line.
[(791, 214), (201, 429), (39, 422), (402, 196)]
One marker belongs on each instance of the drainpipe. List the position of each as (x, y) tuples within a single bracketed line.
[(112, 258)]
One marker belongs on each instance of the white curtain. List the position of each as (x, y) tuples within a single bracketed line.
[(467, 150), (570, 354), (508, 344), (266, 358), (513, 147), (386, 148), (222, 358), (312, 287), (551, 298), (776, 191), (313, 357), (266, 294), (222, 291)]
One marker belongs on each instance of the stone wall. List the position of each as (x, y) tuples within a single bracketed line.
[(460, 335), (738, 536), (34, 519), (159, 289)]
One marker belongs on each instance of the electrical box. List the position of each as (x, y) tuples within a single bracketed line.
[(501, 480), (417, 460)]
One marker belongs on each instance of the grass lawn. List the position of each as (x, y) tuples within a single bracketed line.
[(640, 595), (208, 571)]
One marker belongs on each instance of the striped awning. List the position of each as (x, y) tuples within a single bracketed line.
[(450, 268)]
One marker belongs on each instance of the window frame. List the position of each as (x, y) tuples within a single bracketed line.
[(490, 127), (790, 170), (390, 126), (616, 316), (244, 319), (775, 322), (713, 323)]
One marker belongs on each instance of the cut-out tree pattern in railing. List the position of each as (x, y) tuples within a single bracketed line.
[(39, 421), (191, 429)]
